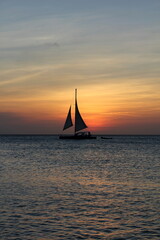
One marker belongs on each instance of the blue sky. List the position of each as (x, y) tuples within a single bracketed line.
[(50, 47)]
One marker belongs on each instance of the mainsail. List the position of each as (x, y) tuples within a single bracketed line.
[(79, 123), (68, 122)]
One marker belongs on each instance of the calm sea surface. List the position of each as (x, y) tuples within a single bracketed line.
[(53, 189)]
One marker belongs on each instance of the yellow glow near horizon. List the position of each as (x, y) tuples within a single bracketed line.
[(109, 56), (104, 107)]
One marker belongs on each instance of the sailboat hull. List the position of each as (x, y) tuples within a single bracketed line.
[(79, 135), (76, 137)]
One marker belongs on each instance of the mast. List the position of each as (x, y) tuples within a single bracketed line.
[(75, 111)]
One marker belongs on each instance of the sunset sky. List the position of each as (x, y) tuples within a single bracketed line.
[(108, 49)]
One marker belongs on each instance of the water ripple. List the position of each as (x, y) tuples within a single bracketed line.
[(53, 189)]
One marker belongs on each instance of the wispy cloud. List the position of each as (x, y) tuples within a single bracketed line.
[(103, 46)]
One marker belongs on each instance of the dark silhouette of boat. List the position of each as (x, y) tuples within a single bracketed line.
[(79, 124)]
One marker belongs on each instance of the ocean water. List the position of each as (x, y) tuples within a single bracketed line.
[(53, 189)]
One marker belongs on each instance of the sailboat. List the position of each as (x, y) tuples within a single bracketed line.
[(79, 124)]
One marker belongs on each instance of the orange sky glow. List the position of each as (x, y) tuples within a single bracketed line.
[(107, 51)]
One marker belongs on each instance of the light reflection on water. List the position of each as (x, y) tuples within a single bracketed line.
[(99, 189)]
